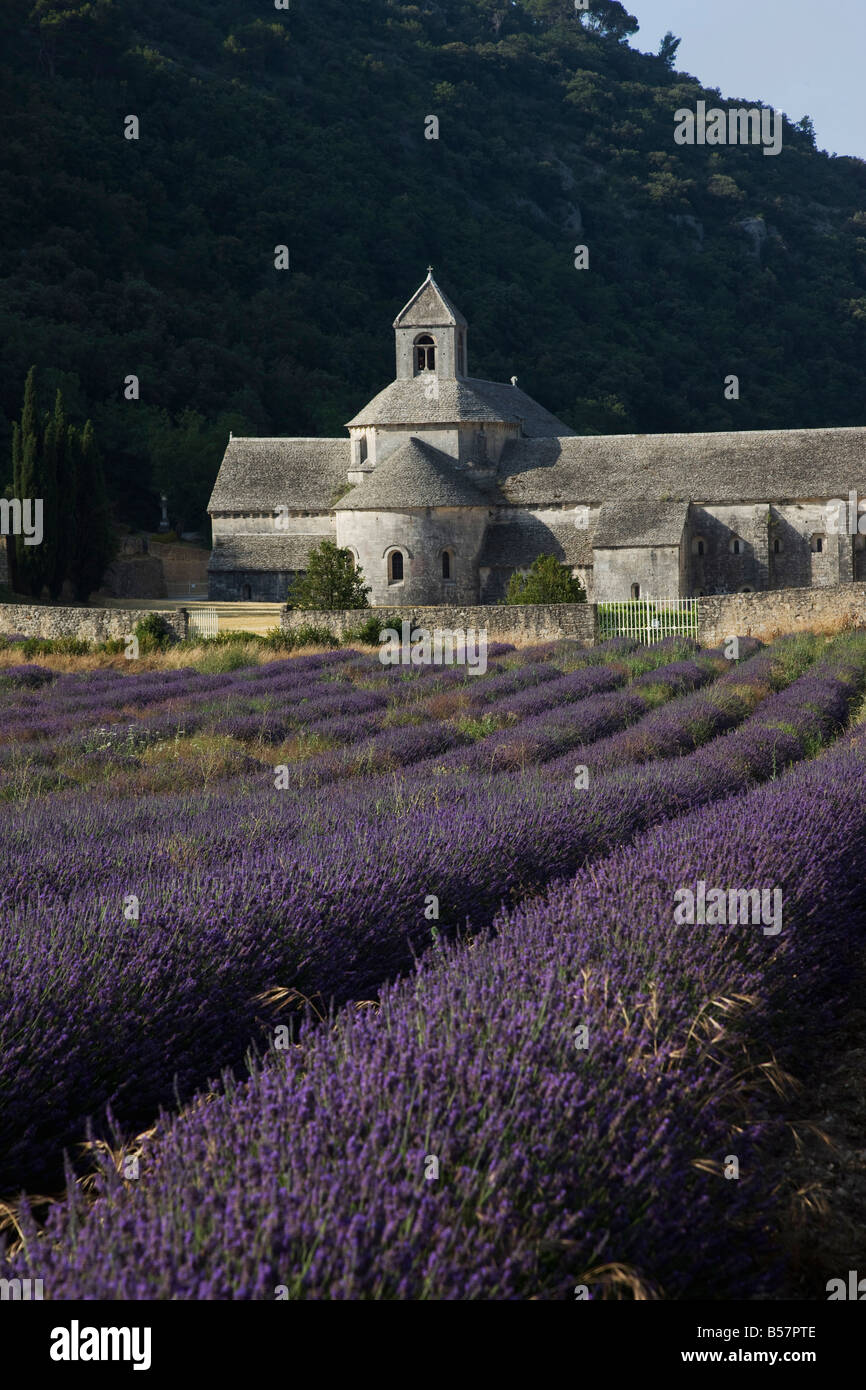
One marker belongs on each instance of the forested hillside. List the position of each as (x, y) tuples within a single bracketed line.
[(306, 126)]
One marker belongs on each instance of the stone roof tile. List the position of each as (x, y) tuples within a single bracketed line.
[(251, 552), (642, 523), (469, 399), (259, 475), (416, 475), (429, 306), (750, 466)]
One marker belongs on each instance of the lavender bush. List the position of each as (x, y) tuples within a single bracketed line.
[(455, 1143)]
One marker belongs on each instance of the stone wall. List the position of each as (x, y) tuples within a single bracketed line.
[(134, 576), (90, 624), (249, 586), (779, 611), (763, 615), (182, 565), (504, 623)]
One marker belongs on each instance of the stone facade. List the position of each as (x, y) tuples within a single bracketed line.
[(90, 624), (442, 464)]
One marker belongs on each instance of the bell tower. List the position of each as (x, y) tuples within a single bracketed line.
[(430, 336)]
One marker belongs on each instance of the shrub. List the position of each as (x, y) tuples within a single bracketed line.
[(228, 639), (226, 658), (153, 633), (57, 646), (72, 646), (25, 677), (310, 636), (332, 581), (547, 582), (369, 633), (279, 640)]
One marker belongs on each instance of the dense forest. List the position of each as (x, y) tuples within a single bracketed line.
[(262, 125)]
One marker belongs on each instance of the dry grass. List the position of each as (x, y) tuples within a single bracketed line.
[(170, 660)]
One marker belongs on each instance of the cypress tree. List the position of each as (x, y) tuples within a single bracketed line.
[(50, 456), (26, 558), (27, 446), (11, 552), (59, 464), (93, 543)]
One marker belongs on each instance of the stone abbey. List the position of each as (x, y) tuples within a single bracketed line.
[(447, 484)]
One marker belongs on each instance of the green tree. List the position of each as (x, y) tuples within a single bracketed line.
[(58, 465), (65, 472), (265, 45), (332, 581), (548, 581), (94, 544), (611, 19), (26, 444), (85, 34), (185, 458), (56, 522), (668, 48), (12, 491)]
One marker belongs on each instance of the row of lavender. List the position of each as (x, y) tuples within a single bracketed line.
[(335, 699), (259, 892), (543, 1111), (141, 985)]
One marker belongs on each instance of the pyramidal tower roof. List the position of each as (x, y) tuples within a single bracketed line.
[(414, 475), (429, 307)]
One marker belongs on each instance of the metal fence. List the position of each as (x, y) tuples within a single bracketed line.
[(648, 619), (203, 622)]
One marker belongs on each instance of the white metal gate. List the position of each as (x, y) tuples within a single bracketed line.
[(203, 622), (648, 619)]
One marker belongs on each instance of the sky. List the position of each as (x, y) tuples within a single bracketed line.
[(805, 57)]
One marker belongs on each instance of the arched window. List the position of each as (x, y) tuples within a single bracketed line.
[(395, 567), (777, 546), (817, 543), (446, 564), (425, 354), (745, 589), (635, 591), (247, 594), (735, 545), (362, 449), (699, 546)]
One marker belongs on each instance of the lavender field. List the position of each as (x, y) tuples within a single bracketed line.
[(321, 979)]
